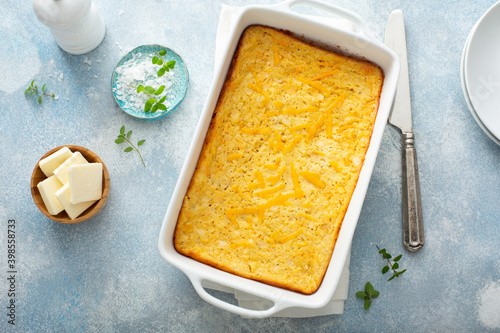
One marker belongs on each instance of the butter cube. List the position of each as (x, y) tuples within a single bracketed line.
[(48, 189), (85, 182), (73, 210), (62, 171), (51, 162)]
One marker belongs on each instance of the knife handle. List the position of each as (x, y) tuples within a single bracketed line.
[(413, 226)]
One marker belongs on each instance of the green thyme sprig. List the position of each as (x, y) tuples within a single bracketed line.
[(122, 137), (166, 66), (368, 295), (33, 89), (153, 104), (391, 264)]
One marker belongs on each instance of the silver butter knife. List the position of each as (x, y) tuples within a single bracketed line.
[(413, 227)]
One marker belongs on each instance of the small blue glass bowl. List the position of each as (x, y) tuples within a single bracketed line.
[(177, 90)]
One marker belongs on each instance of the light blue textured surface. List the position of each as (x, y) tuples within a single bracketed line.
[(106, 274)]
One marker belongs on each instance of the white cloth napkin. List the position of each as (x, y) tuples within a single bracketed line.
[(249, 301)]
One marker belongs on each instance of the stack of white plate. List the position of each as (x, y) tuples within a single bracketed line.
[(480, 72)]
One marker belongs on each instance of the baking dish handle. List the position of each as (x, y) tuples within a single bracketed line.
[(354, 18), (276, 307)]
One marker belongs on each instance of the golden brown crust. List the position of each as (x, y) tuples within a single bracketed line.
[(280, 161)]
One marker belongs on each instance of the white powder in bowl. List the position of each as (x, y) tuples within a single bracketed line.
[(139, 70)]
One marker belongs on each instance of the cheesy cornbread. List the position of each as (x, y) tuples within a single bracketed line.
[(280, 161)]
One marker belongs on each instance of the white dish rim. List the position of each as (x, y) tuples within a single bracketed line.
[(465, 72), (466, 91)]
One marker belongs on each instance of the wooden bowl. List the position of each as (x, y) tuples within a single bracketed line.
[(63, 217)]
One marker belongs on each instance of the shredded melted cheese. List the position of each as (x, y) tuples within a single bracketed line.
[(280, 161)]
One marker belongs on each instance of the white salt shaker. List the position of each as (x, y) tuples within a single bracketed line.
[(77, 25)]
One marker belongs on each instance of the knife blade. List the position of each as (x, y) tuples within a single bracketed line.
[(413, 227)]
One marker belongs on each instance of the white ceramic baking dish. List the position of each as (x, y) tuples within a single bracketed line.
[(359, 42)]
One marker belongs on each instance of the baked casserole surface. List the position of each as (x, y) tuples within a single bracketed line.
[(280, 161)]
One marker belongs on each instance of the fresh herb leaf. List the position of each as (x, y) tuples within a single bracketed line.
[(149, 90), (160, 90), (33, 89), (391, 264), (368, 295), (361, 294), (166, 67), (369, 288), (126, 138)]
